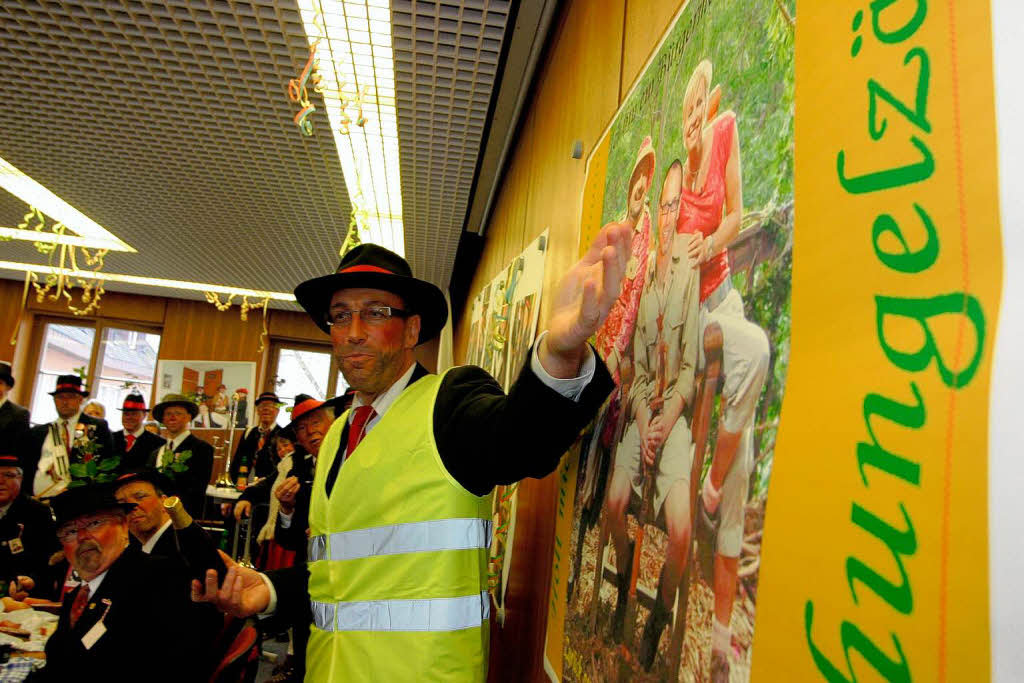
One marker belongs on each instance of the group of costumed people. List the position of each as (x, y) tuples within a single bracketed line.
[(387, 505)]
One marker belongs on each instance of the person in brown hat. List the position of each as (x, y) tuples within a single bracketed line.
[(14, 420), (184, 458), (50, 449), (129, 608), (133, 443), (427, 450)]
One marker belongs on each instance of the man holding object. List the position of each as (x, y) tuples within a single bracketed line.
[(400, 511)]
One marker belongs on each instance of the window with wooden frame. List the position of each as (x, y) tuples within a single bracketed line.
[(298, 368), (116, 357)]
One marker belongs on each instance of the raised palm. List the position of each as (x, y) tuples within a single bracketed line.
[(587, 291)]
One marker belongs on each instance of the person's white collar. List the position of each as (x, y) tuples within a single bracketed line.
[(176, 441), (138, 432), (94, 583), (385, 399), (147, 547)]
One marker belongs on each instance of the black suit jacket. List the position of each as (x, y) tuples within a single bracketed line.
[(525, 433), (191, 484), (38, 541), (13, 425), (33, 445), (145, 608), (261, 460), (139, 454)]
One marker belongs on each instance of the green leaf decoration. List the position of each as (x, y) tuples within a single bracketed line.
[(78, 470), (104, 477), (109, 464), (91, 469), (75, 483)]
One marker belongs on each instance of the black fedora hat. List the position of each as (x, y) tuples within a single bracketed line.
[(85, 500), (267, 396), (147, 474), (133, 402), (9, 459), (70, 384), (5, 374), (374, 267)]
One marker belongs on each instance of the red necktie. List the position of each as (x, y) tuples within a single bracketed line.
[(78, 606), (129, 440), (357, 430)]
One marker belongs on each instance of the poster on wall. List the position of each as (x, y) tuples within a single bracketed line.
[(213, 386), (503, 324), (698, 162), (807, 320)]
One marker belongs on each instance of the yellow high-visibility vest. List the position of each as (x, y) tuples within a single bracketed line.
[(397, 556)]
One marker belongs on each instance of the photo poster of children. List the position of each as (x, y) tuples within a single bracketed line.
[(658, 543), (515, 310)]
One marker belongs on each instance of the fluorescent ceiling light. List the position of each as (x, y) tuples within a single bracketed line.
[(356, 60), (55, 238), (148, 281), (34, 194)]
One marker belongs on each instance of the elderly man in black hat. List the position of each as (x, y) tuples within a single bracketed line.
[(130, 617), (26, 535), (400, 509), (51, 449), (13, 418), (255, 451), (134, 443), (183, 458)]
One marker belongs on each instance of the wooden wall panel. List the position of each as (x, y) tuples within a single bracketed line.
[(295, 325), (144, 310), (596, 52), (10, 305), (646, 21), (576, 96), (195, 330)]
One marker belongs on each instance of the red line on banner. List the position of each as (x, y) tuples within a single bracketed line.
[(948, 464)]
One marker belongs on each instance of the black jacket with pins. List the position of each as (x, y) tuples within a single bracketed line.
[(191, 484), (147, 631)]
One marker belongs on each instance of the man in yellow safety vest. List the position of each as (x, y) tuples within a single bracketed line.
[(399, 520)]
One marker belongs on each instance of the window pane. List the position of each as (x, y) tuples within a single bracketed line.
[(301, 372), (65, 347), (127, 362)]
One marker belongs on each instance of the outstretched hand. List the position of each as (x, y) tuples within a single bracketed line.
[(583, 298), (243, 593)]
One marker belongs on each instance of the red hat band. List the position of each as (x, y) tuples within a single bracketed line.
[(366, 269), (133, 405), (68, 387)]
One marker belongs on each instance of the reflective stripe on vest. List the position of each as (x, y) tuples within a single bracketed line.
[(429, 614), (412, 537)]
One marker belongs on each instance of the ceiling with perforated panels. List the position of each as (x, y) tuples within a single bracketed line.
[(446, 67), (168, 123)]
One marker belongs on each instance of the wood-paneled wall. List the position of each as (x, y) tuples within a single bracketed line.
[(596, 53)]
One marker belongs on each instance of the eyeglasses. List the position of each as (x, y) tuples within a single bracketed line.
[(375, 315), (69, 532)]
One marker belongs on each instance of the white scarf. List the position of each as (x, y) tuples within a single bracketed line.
[(283, 468)]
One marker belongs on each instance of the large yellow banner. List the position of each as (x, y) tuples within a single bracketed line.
[(875, 552)]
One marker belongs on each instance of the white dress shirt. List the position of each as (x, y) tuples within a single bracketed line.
[(147, 547)]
